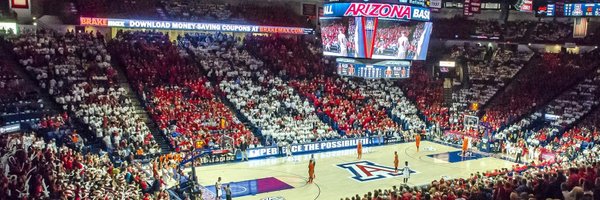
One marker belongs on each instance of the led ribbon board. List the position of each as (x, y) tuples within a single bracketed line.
[(379, 10), (190, 26)]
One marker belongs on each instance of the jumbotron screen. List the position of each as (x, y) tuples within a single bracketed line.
[(401, 32)]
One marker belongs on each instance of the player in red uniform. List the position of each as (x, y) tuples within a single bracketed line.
[(418, 141), (359, 150), (395, 162), (311, 169)]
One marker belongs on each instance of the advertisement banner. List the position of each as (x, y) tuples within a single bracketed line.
[(524, 5), (475, 7), (435, 4), (19, 4), (313, 147), (467, 8), (309, 10), (190, 26), (392, 11)]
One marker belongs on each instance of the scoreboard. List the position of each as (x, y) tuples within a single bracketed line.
[(382, 69), (375, 39), (413, 2), (582, 10), (559, 9)]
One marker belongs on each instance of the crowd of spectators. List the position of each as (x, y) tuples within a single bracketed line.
[(261, 96), (188, 10), (427, 93), (387, 95), (271, 15), (545, 127), (510, 31), (341, 104), (290, 57), (489, 71), (76, 70), (178, 95), (18, 100), (565, 180), (571, 172), (532, 89), (274, 107), (114, 8), (37, 169)]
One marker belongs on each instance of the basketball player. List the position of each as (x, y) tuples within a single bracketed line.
[(402, 45), (218, 188), (465, 146), (395, 162), (359, 150), (311, 169), (405, 173), (288, 151), (418, 141), (342, 41)]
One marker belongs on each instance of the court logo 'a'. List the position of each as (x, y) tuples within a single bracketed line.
[(368, 171)]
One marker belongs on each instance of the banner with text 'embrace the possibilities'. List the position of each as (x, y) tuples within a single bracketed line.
[(314, 147), (190, 26)]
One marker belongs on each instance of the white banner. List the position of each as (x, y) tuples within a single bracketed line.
[(435, 4)]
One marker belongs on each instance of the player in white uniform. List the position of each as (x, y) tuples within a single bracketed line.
[(402, 45), (218, 189), (288, 151), (342, 41), (405, 173)]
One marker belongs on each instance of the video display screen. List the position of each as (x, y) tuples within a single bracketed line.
[(401, 40), (375, 38), (336, 37)]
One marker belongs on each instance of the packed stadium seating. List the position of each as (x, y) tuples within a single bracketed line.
[(528, 92), (511, 31), (426, 92), (76, 71), (181, 100), (288, 57), (189, 10), (196, 10), (344, 107), (214, 91), (262, 97), (544, 127), (18, 100), (389, 96), (489, 72), (114, 8)]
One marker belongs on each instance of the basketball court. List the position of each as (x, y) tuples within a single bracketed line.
[(340, 174)]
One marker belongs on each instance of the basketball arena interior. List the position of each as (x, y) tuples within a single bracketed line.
[(299, 99)]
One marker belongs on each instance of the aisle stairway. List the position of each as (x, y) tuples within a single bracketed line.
[(247, 123), (137, 102)]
